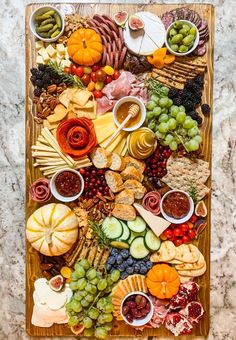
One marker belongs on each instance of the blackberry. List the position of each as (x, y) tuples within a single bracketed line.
[(188, 104), (57, 81), (34, 71), (173, 93), (39, 83), (37, 92), (46, 78), (33, 79), (196, 88), (193, 114), (199, 120), (199, 80), (186, 94), (189, 84), (205, 109), (177, 101), (42, 67)]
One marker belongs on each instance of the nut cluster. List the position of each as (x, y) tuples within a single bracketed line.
[(47, 101), (72, 23)]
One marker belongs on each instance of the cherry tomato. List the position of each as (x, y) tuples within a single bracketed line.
[(95, 68), (73, 69), (93, 76), (178, 242), (193, 219), (67, 70), (177, 232), (91, 86), (79, 71), (163, 237), (85, 79), (192, 233), (87, 69), (190, 225), (99, 85), (101, 75), (97, 94), (184, 227), (186, 239), (168, 233), (116, 74), (108, 80)]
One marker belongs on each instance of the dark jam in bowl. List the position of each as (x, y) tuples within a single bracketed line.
[(68, 184), (176, 205)]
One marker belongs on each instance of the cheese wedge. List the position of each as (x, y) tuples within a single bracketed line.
[(111, 147), (120, 146), (104, 132), (156, 223)]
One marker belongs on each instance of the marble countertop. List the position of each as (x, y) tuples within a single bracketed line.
[(223, 236)]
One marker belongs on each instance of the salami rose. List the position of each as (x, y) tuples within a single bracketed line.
[(76, 136), (151, 202), (40, 190)]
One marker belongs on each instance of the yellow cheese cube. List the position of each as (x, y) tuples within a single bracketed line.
[(51, 51), (60, 49), (39, 59), (41, 51), (39, 44)]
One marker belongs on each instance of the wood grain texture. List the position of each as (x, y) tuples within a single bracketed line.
[(32, 130)]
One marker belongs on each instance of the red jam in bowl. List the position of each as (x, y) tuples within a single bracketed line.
[(68, 183), (176, 205)]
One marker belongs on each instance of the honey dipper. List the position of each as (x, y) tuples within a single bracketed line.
[(133, 111)]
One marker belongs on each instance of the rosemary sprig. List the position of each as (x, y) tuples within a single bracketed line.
[(192, 190), (155, 87), (68, 79), (99, 234)]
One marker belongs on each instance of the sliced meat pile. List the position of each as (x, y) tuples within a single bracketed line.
[(151, 202), (114, 50), (125, 85), (184, 311), (185, 13), (40, 190)]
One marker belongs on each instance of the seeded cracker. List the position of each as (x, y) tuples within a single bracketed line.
[(182, 171)]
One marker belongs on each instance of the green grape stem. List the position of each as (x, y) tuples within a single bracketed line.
[(181, 139), (95, 300)]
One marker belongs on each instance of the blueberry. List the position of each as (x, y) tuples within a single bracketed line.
[(114, 252), (136, 268), (109, 266), (121, 267), (145, 258), (124, 253), (149, 264), (130, 270), (130, 261), (111, 260), (124, 275), (119, 259), (143, 270)]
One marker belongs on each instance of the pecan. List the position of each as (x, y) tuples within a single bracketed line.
[(38, 120), (52, 88), (46, 112), (111, 194), (39, 107), (53, 103)]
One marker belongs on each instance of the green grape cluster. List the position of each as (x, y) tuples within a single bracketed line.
[(90, 304), (171, 124)]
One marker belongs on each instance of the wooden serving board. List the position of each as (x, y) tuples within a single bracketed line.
[(32, 130)]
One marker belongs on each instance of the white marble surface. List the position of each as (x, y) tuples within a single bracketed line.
[(223, 240)]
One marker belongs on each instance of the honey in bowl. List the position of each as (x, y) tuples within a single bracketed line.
[(122, 113)]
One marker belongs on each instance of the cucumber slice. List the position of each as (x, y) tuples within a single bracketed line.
[(112, 227), (151, 241), (126, 232), (137, 248), (138, 225), (133, 235), (119, 244)]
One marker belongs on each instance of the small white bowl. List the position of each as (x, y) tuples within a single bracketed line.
[(195, 42), (179, 220), (56, 194), (130, 99), (40, 11), (138, 322)]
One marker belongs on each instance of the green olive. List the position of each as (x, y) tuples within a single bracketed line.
[(183, 49), (188, 40), (177, 39), (172, 32), (183, 31), (178, 25), (174, 47), (186, 27), (193, 31)]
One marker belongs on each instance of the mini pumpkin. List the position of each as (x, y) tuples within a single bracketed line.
[(52, 229), (85, 47), (163, 281)]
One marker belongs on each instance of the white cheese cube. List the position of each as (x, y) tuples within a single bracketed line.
[(60, 48), (67, 63), (60, 56), (42, 51), (39, 59), (39, 44), (51, 51), (45, 56), (62, 64), (58, 60)]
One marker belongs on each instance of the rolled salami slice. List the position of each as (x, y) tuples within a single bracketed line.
[(151, 202), (167, 19), (40, 190)]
